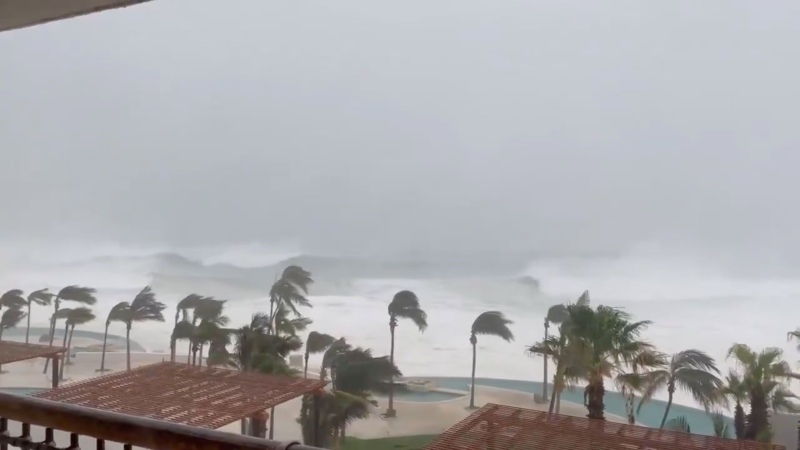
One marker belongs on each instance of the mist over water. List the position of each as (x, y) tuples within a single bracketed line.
[(693, 300)]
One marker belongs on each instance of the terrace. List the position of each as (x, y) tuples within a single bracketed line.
[(500, 427)]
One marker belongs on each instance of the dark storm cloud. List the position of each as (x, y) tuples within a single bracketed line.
[(411, 126)]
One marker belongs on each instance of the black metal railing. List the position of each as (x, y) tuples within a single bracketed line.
[(101, 426)]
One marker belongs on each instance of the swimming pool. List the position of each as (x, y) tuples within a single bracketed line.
[(650, 415), (21, 390)]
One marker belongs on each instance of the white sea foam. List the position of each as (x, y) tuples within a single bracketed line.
[(693, 301)]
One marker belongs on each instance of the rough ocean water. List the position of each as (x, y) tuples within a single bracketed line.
[(694, 302)]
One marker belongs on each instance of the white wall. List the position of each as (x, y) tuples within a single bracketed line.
[(784, 430)]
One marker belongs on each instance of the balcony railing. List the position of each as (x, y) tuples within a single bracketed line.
[(61, 421)]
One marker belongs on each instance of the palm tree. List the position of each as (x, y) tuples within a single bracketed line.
[(13, 299), (735, 390), (605, 341), (404, 305), (291, 290), (489, 323), (638, 379), (119, 313), (316, 343), (556, 314), (679, 423), (10, 319), (79, 294), (720, 423), (207, 321), (288, 326), (74, 316), (182, 310), (41, 298), (337, 409), (690, 370), (143, 308), (765, 375)]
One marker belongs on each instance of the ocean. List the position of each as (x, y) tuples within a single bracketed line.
[(694, 301)]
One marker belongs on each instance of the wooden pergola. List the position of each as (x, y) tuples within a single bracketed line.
[(11, 352), (25, 13), (182, 394), (500, 427)]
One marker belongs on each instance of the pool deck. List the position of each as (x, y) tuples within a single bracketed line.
[(413, 418)]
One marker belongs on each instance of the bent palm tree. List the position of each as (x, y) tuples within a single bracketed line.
[(337, 410), (182, 310), (143, 308), (118, 313), (489, 323), (79, 294), (316, 343), (10, 319), (638, 378), (690, 370), (74, 316), (290, 290), (41, 298), (13, 299), (404, 305), (556, 314)]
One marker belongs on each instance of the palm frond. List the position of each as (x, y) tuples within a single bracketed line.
[(79, 294), (493, 323), (720, 422), (679, 423), (145, 307), (41, 297), (557, 314), (318, 342), (79, 316), (11, 318), (13, 299), (118, 313)]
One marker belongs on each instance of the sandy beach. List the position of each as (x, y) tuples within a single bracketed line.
[(413, 418)]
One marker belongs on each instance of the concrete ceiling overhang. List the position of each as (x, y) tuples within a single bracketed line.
[(25, 13)]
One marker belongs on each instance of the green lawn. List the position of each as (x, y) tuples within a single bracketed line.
[(396, 443)]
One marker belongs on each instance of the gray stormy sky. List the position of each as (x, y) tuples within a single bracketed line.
[(366, 126)]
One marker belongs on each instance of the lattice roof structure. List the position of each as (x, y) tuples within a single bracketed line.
[(189, 395), (500, 427), (17, 351)]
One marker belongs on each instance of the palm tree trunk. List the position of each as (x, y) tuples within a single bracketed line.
[(200, 356), (128, 346), (666, 410), (69, 344), (189, 354), (52, 332), (556, 385), (390, 412), (1, 338), (103, 357), (630, 399), (739, 422), (595, 392), (28, 328), (558, 401), (305, 366), (63, 360), (544, 378), (474, 358)]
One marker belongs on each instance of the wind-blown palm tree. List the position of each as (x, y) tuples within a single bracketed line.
[(290, 290), (288, 326), (735, 391), (766, 377), (13, 299), (119, 313), (404, 305), (208, 321), (337, 410), (489, 323), (79, 294), (10, 319), (143, 308), (690, 370), (605, 341), (42, 298), (556, 314), (643, 369), (182, 310), (73, 316), (315, 343)]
